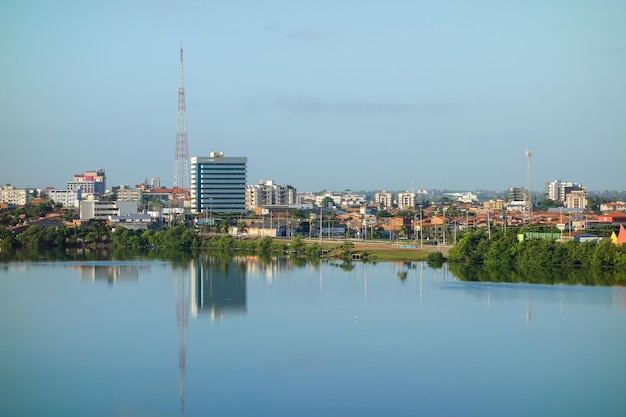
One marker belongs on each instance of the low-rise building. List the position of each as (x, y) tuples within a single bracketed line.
[(66, 198), (104, 210)]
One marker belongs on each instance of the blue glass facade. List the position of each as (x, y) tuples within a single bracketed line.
[(218, 184)]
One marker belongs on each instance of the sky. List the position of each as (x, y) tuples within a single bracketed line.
[(320, 95)]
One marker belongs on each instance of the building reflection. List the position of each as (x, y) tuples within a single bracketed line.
[(218, 288), (109, 273)]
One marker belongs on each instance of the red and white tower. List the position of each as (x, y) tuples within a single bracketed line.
[(181, 161)]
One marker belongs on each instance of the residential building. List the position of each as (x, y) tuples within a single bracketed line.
[(66, 198), (266, 193), (493, 205), (406, 200), (576, 199), (383, 199), (334, 196), (14, 196), (218, 183), (558, 190), (616, 206), (125, 193)]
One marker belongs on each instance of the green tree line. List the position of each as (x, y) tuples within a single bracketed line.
[(505, 251)]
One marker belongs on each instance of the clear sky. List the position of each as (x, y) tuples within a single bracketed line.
[(334, 95)]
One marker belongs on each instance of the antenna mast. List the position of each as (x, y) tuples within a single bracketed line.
[(181, 161), (529, 195)]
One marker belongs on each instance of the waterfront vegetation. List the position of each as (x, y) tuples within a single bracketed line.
[(477, 255), (500, 250), (505, 251)]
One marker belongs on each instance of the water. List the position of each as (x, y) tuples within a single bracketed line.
[(244, 337)]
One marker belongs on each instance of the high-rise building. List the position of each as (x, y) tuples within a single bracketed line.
[(558, 190), (218, 184)]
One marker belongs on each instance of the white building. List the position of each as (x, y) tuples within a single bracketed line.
[(267, 193), (14, 196), (334, 196), (66, 198), (105, 210), (406, 200), (383, 199), (558, 190)]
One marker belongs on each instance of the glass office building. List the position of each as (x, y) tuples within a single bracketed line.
[(218, 184)]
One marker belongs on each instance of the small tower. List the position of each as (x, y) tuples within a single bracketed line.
[(529, 192)]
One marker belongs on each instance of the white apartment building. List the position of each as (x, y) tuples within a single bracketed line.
[(267, 193), (406, 200), (14, 196), (66, 198), (334, 196), (616, 206), (383, 199), (558, 190)]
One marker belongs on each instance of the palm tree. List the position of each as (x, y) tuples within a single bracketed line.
[(242, 228)]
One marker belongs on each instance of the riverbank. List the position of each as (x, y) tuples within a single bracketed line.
[(384, 251)]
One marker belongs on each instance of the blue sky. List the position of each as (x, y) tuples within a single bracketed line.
[(334, 95)]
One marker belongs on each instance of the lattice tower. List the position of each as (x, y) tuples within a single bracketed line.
[(181, 160)]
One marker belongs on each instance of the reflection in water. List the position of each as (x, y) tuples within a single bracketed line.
[(219, 287), (110, 273), (180, 278)]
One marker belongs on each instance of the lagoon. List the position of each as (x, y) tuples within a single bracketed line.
[(249, 336)]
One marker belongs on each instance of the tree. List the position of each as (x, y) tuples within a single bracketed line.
[(547, 203), (328, 202), (31, 237), (297, 244), (265, 244), (6, 238)]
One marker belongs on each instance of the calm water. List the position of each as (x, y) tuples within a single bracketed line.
[(248, 338)]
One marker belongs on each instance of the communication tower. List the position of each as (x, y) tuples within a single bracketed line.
[(181, 161), (529, 195)]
